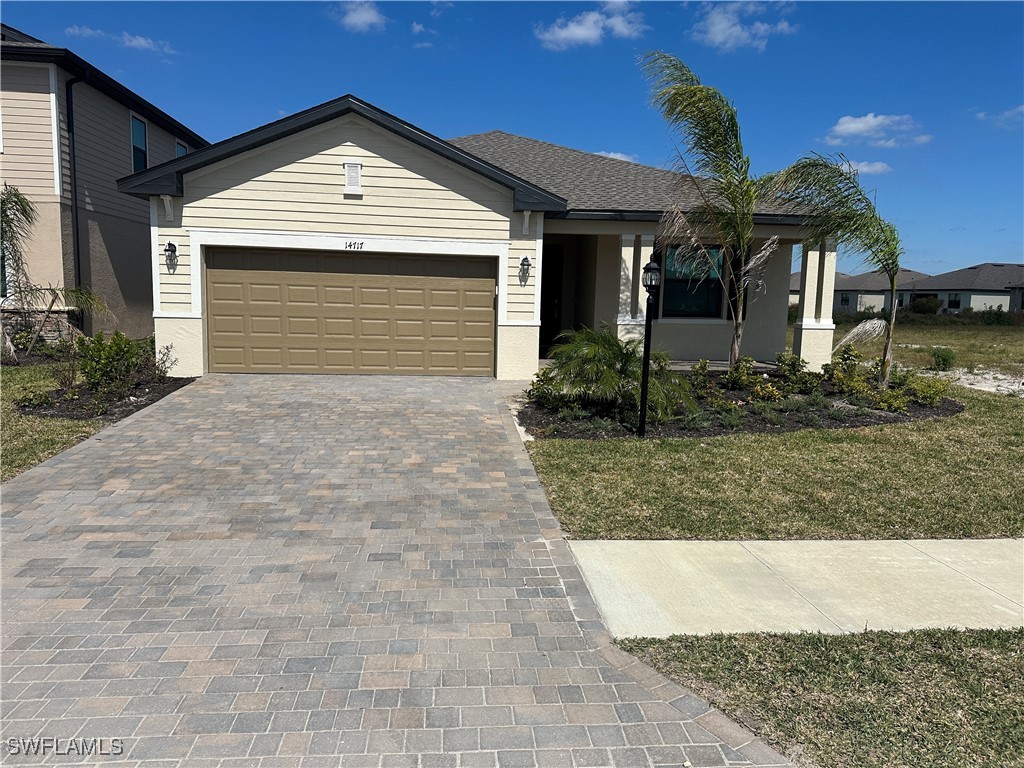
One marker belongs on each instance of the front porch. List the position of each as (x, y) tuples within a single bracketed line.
[(591, 278)]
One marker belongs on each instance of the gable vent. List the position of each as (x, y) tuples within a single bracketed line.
[(353, 176)]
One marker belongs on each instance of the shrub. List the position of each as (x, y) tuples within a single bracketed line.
[(598, 371), (893, 400), (792, 371), (109, 367), (943, 358), (730, 418), (153, 365), (22, 339), (741, 375), (65, 370), (926, 305), (693, 418), (995, 316), (699, 377), (34, 399), (927, 391), (765, 391)]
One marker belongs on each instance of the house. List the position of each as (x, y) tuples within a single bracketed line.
[(794, 286), (869, 291), (1016, 297), (344, 239), (983, 286), (67, 133)]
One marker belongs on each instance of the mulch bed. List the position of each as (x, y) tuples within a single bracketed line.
[(542, 423), (83, 404)]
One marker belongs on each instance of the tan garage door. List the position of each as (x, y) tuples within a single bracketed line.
[(275, 311)]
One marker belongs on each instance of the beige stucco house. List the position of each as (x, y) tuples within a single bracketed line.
[(67, 133), (870, 291), (981, 286), (343, 239)]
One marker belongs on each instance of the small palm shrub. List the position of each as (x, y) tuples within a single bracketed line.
[(597, 371)]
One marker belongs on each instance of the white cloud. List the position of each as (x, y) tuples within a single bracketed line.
[(590, 27), (1008, 119), (145, 43), (868, 167), (417, 28), (885, 131), (439, 6), (77, 31), (618, 156), (360, 16), (125, 39), (424, 44), (722, 26)]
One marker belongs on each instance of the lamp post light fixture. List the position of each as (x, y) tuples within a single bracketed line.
[(171, 257), (651, 280)]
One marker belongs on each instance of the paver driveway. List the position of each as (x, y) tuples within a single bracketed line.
[(323, 571)]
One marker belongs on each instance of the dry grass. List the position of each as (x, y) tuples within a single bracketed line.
[(992, 347), (28, 440), (947, 478), (923, 699)]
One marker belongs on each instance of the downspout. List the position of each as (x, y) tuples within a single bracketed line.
[(76, 245)]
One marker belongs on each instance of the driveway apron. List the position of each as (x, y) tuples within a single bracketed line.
[(319, 571)]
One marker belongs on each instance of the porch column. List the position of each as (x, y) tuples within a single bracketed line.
[(813, 332), (629, 318)]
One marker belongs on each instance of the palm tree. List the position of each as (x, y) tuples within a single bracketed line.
[(728, 194), (17, 216), (839, 209)]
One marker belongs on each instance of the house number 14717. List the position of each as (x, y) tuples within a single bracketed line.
[(354, 245)]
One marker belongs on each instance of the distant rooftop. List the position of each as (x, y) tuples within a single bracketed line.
[(990, 276)]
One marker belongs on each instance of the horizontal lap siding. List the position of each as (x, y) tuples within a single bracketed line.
[(27, 129), (407, 192), (103, 152), (176, 289)]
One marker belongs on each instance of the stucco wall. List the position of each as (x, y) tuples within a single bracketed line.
[(979, 301)]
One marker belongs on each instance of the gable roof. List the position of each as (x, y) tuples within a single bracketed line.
[(989, 276), (166, 179), (878, 281), (15, 45), (596, 186)]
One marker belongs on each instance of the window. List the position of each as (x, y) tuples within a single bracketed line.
[(180, 150), (954, 301), (844, 299), (140, 146), (899, 300), (688, 293)]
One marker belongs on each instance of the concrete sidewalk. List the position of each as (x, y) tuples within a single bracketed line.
[(661, 588)]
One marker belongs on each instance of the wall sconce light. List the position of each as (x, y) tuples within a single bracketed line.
[(171, 257), (524, 271)]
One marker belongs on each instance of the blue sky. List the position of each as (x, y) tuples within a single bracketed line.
[(928, 97)]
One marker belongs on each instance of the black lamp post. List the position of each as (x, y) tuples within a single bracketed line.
[(651, 281)]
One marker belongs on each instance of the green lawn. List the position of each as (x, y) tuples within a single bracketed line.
[(957, 477), (921, 699), (994, 347), (27, 440)]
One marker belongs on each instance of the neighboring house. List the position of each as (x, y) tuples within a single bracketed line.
[(345, 240), (983, 286), (1016, 297), (67, 133), (870, 291), (794, 286)]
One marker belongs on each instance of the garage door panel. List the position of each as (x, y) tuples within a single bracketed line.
[(344, 313), (264, 293)]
